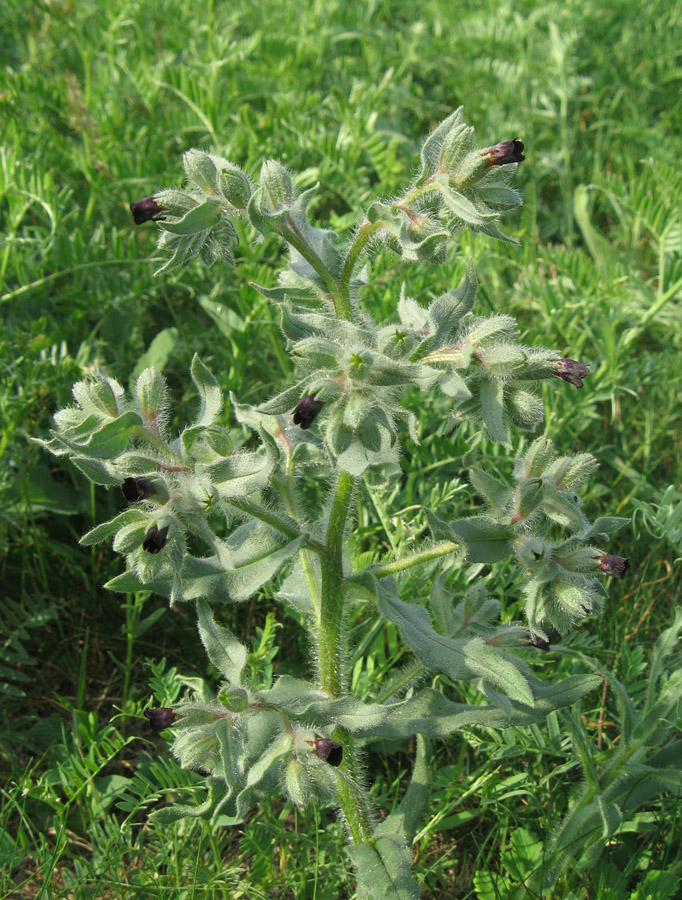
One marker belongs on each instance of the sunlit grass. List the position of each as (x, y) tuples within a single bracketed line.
[(97, 103)]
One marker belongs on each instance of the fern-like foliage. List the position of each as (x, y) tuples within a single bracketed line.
[(16, 623)]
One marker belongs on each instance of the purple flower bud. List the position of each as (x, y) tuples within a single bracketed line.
[(615, 566), (551, 636), (306, 411), (327, 750), (505, 152), (135, 489), (155, 539), (160, 718), (572, 371), (145, 209)]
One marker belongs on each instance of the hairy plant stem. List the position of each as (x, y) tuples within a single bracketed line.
[(364, 233), (352, 798), (287, 527), (414, 559), (352, 794), (411, 671), (331, 633), (341, 301)]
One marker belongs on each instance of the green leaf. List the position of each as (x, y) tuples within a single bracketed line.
[(466, 659), (99, 471), (107, 529), (285, 401), (257, 556), (168, 815), (209, 393), (453, 385), (107, 440), (129, 582), (491, 395), (201, 218), (200, 168), (432, 714), (151, 393), (604, 527), (226, 653), (497, 494), (460, 206), (402, 823), (242, 473), (384, 871), (485, 540), (561, 509), (431, 148)]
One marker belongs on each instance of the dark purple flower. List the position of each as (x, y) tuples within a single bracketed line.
[(155, 539), (145, 209), (505, 152), (327, 750), (615, 566), (572, 371), (135, 489), (306, 411), (160, 718), (551, 636)]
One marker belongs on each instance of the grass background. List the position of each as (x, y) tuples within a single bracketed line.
[(97, 103)]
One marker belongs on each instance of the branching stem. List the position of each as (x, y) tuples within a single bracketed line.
[(415, 559)]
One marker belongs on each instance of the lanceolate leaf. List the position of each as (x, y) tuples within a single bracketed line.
[(467, 659), (402, 823), (257, 556), (492, 410), (242, 473), (226, 653), (486, 541), (427, 712), (384, 870), (432, 714), (107, 529), (209, 392), (497, 494), (200, 218)]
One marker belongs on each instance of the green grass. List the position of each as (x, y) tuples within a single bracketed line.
[(97, 103)]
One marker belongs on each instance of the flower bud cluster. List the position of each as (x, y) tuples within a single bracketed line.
[(199, 219), (352, 389), (238, 729), (355, 372), (463, 186), (458, 187), (543, 524), (476, 361), (177, 490)]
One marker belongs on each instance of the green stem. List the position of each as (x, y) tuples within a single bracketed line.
[(351, 795), (411, 671), (293, 236), (287, 527), (415, 559), (365, 232), (422, 190), (332, 643), (351, 792)]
